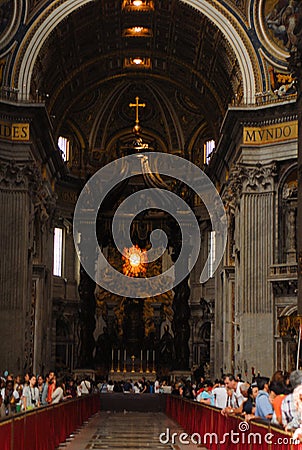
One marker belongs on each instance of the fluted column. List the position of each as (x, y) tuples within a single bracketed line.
[(257, 244), (21, 197), (14, 239), (13, 277), (254, 315)]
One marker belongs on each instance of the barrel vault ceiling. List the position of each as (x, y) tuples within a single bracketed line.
[(86, 74)]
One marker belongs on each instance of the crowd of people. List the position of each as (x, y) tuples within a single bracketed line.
[(141, 386), (277, 400), (21, 394)]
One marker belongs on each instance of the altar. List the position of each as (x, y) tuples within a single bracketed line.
[(134, 376), (132, 368)]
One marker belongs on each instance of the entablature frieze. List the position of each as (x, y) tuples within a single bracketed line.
[(266, 122), (270, 133)]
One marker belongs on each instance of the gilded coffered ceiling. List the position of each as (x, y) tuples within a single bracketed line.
[(188, 60), (85, 71)]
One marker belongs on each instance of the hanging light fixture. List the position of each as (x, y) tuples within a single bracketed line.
[(138, 5), (137, 32), (137, 62)]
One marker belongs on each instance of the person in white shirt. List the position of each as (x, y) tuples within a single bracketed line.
[(220, 397), (57, 394), (31, 395), (110, 386), (136, 389), (231, 383), (85, 387)]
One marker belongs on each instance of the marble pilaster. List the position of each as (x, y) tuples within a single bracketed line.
[(16, 296), (253, 314)]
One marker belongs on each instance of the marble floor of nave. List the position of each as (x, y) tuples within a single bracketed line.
[(127, 431)]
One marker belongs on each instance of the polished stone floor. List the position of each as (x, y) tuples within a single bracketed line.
[(127, 431)]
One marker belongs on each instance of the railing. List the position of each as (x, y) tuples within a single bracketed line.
[(208, 428), (13, 95), (264, 99), (45, 428), (281, 271)]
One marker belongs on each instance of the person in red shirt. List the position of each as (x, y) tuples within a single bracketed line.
[(276, 396), (51, 386)]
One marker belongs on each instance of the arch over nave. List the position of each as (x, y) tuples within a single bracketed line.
[(214, 80), (45, 23)]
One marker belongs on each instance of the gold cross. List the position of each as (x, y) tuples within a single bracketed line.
[(137, 105)]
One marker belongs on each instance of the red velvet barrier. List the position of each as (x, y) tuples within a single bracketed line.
[(45, 419), (45, 428), (5, 435), (30, 430), (18, 427), (225, 433)]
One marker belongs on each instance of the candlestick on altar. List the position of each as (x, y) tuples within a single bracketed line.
[(147, 368), (118, 360), (112, 358), (125, 357), (133, 358), (141, 364), (153, 362)]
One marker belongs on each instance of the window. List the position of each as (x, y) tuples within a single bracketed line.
[(212, 250), (58, 252), (209, 147), (64, 146)]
